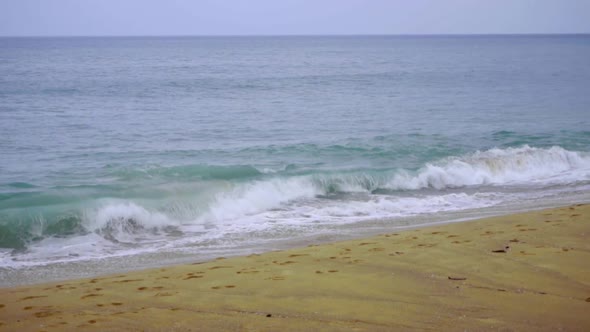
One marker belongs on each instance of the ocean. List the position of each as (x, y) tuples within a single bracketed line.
[(124, 153)]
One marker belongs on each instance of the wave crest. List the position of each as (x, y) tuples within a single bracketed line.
[(122, 222), (496, 167), (512, 166), (259, 196), (224, 202)]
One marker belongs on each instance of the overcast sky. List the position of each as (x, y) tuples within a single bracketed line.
[(288, 17)]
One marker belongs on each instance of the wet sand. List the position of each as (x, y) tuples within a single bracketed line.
[(520, 272)]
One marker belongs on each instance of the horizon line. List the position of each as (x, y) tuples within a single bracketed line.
[(306, 35)]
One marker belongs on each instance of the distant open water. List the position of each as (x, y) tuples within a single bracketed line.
[(123, 153)]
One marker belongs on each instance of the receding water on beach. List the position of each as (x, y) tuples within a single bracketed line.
[(123, 153)]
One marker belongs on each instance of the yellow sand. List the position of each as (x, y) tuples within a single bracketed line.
[(392, 282)]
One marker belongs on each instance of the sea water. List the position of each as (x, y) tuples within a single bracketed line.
[(124, 153)]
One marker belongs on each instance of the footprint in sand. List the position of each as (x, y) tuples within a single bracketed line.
[(298, 255), (275, 278), (32, 297), (247, 271), (220, 267), (227, 286), (152, 288), (89, 295), (425, 245), (329, 271), (376, 249), (527, 229), (128, 280), (192, 277), (284, 263), (41, 314)]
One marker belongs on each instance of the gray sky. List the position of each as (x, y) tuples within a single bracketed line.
[(286, 17)]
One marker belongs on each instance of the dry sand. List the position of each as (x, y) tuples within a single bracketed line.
[(437, 278)]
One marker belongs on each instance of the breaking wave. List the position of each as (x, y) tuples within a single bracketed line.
[(254, 197), (498, 167)]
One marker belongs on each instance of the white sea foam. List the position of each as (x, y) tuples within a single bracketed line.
[(122, 221), (513, 166), (498, 166), (259, 196), (298, 197), (329, 211), (296, 204)]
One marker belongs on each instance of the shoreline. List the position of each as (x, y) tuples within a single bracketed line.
[(448, 276), (88, 268)]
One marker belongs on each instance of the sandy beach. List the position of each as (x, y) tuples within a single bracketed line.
[(518, 272)]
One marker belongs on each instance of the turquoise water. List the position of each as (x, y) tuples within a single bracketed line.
[(133, 152)]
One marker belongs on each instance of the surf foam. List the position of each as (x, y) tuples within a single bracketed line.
[(498, 166)]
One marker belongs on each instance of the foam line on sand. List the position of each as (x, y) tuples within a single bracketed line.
[(528, 271)]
